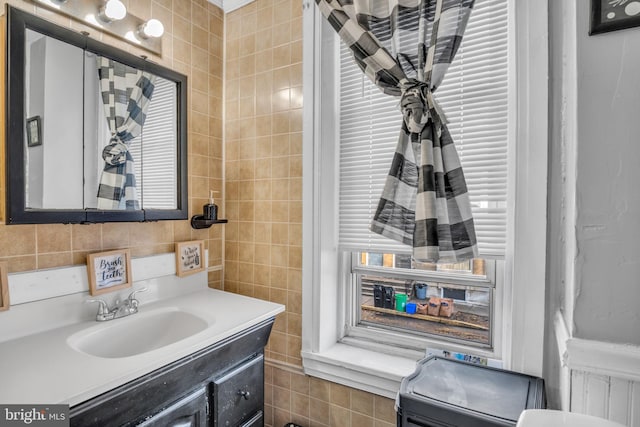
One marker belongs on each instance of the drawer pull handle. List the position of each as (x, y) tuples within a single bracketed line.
[(244, 394)]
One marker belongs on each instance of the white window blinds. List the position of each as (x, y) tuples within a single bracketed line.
[(474, 96)]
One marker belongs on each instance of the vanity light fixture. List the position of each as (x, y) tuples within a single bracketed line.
[(113, 10), (151, 28), (111, 16), (53, 4)]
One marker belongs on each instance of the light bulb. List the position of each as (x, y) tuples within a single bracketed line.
[(114, 10), (151, 28)]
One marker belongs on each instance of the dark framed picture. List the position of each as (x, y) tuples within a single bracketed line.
[(34, 131), (612, 15)]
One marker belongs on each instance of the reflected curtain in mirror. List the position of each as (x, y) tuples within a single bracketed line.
[(126, 95)]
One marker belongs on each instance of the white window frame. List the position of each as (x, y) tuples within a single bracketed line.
[(325, 353)]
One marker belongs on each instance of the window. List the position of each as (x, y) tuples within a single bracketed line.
[(451, 302), (475, 98), (156, 152), (339, 342)]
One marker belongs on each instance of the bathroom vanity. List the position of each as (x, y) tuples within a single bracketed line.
[(191, 356), (221, 385)]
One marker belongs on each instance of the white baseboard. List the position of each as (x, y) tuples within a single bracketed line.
[(604, 377), (602, 358), (597, 357)]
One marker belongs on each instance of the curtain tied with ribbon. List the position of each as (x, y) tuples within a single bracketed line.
[(405, 48), (126, 94)]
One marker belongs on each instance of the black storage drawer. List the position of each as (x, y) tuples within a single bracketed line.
[(189, 411), (239, 394), (450, 393), (256, 421)]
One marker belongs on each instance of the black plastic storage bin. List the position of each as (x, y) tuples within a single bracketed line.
[(451, 393)]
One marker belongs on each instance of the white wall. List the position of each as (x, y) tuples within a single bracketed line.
[(62, 126), (35, 107), (55, 94), (607, 294), (594, 202)]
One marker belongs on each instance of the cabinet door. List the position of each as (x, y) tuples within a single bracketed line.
[(239, 394), (190, 411)]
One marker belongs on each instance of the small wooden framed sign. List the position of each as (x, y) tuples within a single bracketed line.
[(109, 271), (4, 287), (189, 257)]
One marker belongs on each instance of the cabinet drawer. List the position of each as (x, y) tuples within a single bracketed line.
[(239, 394), (256, 421), (189, 411)]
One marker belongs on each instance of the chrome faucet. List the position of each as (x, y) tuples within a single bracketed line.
[(120, 309)]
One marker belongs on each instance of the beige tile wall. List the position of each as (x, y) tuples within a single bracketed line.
[(192, 45), (291, 396), (263, 240), (263, 158), (262, 184)]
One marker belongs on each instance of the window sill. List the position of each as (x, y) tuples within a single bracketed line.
[(359, 368)]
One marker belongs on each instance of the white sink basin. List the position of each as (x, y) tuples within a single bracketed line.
[(137, 333)]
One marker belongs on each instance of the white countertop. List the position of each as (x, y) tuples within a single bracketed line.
[(42, 368)]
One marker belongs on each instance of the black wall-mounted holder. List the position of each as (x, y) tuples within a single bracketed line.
[(209, 215), (198, 222)]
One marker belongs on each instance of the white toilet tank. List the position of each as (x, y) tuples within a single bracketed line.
[(547, 418)]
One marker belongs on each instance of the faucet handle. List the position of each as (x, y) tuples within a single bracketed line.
[(103, 308), (133, 303), (132, 294)]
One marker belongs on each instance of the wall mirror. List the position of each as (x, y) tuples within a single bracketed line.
[(94, 134)]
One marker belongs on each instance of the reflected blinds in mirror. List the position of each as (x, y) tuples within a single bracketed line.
[(157, 150)]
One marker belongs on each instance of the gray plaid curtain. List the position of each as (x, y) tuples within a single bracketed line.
[(126, 95), (405, 48)]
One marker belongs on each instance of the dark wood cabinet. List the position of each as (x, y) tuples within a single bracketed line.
[(190, 411), (221, 385), (237, 396)]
